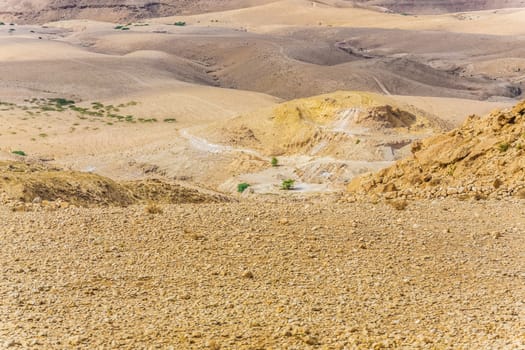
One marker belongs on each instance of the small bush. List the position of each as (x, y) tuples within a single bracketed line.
[(180, 24), (20, 153), (170, 120), (242, 187), (288, 184), (275, 161), (358, 141), (503, 147), (153, 208), (62, 101)]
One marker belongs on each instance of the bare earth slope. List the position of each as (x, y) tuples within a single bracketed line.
[(27, 183)]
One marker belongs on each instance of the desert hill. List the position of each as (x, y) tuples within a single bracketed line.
[(33, 183), (181, 182), (484, 157), (441, 6), (41, 11)]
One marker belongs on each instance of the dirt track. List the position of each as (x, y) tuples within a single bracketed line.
[(437, 275)]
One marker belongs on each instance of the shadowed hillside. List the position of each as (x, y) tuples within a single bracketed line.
[(40, 11), (442, 6)]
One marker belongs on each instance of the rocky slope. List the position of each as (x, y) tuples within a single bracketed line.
[(264, 275), (484, 157)]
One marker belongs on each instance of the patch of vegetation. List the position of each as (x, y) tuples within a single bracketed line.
[(288, 184), (153, 208), (358, 141), (130, 103), (61, 101), (179, 23), (274, 162), (35, 107), (451, 169), (170, 120), (20, 153), (242, 187), (503, 147), (2, 24)]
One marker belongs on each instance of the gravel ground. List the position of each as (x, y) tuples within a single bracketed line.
[(257, 275)]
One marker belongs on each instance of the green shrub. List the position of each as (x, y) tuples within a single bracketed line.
[(242, 187), (288, 184), (180, 24), (20, 153), (170, 120), (62, 101), (503, 147), (275, 161)]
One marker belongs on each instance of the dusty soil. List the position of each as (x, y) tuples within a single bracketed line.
[(289, 275)]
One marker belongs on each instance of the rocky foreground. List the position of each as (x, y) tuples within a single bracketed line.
[(442, 274)]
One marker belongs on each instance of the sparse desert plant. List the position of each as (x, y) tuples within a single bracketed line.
[(61, 101), (170, 120), (358, 141), (274, 161), (179, 23), (20, 153), (503, 147), (242, 187), (153, 208), (2, 24), (288, 184)]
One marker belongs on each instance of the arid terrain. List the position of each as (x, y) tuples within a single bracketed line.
[(257, 174)]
